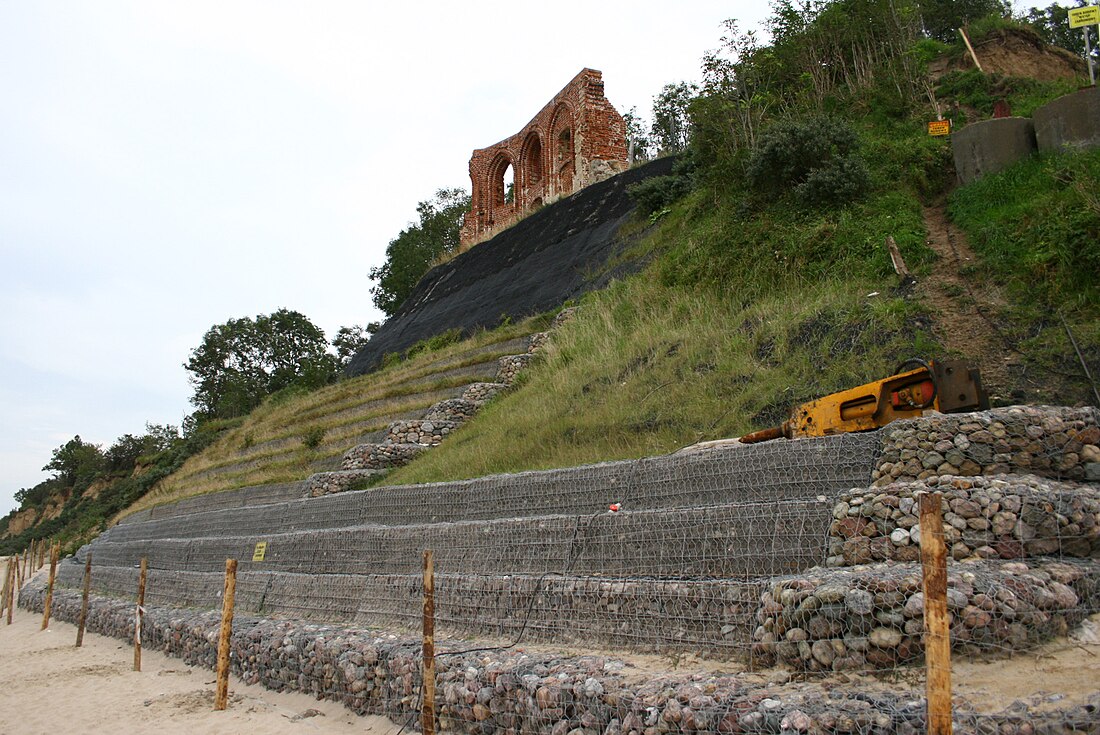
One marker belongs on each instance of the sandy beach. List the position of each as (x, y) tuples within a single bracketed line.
[(52, 687)]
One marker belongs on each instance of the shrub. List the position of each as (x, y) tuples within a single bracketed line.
[(814, 158), (658, 192), (313, 436), (435, 342)]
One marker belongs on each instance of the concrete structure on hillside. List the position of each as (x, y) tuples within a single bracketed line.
[(1070, 122), (577, 139), (990, 146)]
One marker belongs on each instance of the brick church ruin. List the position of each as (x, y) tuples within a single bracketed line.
[(577, 139)]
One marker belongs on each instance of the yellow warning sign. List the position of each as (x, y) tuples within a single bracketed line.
[(939, 127), (1086, 16), (261, 550)]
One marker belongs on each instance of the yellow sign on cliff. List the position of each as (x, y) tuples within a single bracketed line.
[(261, 550), (1086, 16), (939, 127)]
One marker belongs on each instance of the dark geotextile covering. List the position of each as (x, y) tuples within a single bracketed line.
[(534, 266)]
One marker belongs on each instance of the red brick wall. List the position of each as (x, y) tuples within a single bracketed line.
[(577, 139)]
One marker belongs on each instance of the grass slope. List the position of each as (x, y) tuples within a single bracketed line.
[(292, 435)]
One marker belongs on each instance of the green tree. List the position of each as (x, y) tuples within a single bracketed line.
[(1052, 25), (671, 125), (35, 497), (411, 253), (76, 462), (244, 360), (636, 136), (349, 340), (123, 455), (943, 18)]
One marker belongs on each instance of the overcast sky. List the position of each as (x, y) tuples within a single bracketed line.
[(166, 166)]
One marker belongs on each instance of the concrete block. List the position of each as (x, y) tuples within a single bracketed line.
[(991, 145), (1072, 121)]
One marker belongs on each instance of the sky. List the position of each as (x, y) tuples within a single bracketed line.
[(167, 166)]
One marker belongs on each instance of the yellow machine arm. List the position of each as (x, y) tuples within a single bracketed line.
[(947, 386)]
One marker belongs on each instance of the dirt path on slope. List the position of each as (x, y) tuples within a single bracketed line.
[(964, 310)]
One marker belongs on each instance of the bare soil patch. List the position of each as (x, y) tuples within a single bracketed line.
[(964, 309)]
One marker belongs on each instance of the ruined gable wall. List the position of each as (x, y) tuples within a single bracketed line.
[(577, 139)]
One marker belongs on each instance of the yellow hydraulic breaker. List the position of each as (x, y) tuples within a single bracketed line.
[(947, 386)]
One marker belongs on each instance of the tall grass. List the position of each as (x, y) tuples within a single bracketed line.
[(1037, 226), (645, 369)]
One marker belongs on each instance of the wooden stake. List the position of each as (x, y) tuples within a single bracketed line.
[(895, 258), (84, 601), (11, 592), (971, 50), (28, 557), (937, 634), (54, 551), (427, 709), (19, 565), (7, 584), (221, 694), (139, 613)]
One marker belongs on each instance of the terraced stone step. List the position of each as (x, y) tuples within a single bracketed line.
[(243, 497), (866, 618), (1003, 516), (709, 616), (457, 410), (722, 541), (329, 483), (425, 432), (722, 474), (481, 392), (511, 366), (381, 456)]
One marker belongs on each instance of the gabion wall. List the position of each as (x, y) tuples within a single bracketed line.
[(512, 690), (802, 555)]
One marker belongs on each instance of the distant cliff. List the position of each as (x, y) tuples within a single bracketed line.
[(541, 262)]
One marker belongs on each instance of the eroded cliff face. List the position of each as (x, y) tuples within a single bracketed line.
[(556, 254), (21, 521), (1015, 53)]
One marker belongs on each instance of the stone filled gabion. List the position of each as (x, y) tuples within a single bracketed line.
[(565, 315), (873, 616), (511, 366), (537, 342), (454, 410), (512, 691), (1042, 440), (425, 432), (380, 456), (327, 483), (482, 392), (1005, 517)]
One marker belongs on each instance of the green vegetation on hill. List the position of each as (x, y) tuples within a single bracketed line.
[(1036, 228), (758, 293), (647, 368), (89, 486), (293, 434)]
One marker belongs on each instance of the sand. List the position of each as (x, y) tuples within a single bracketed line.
[(50, 686)]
